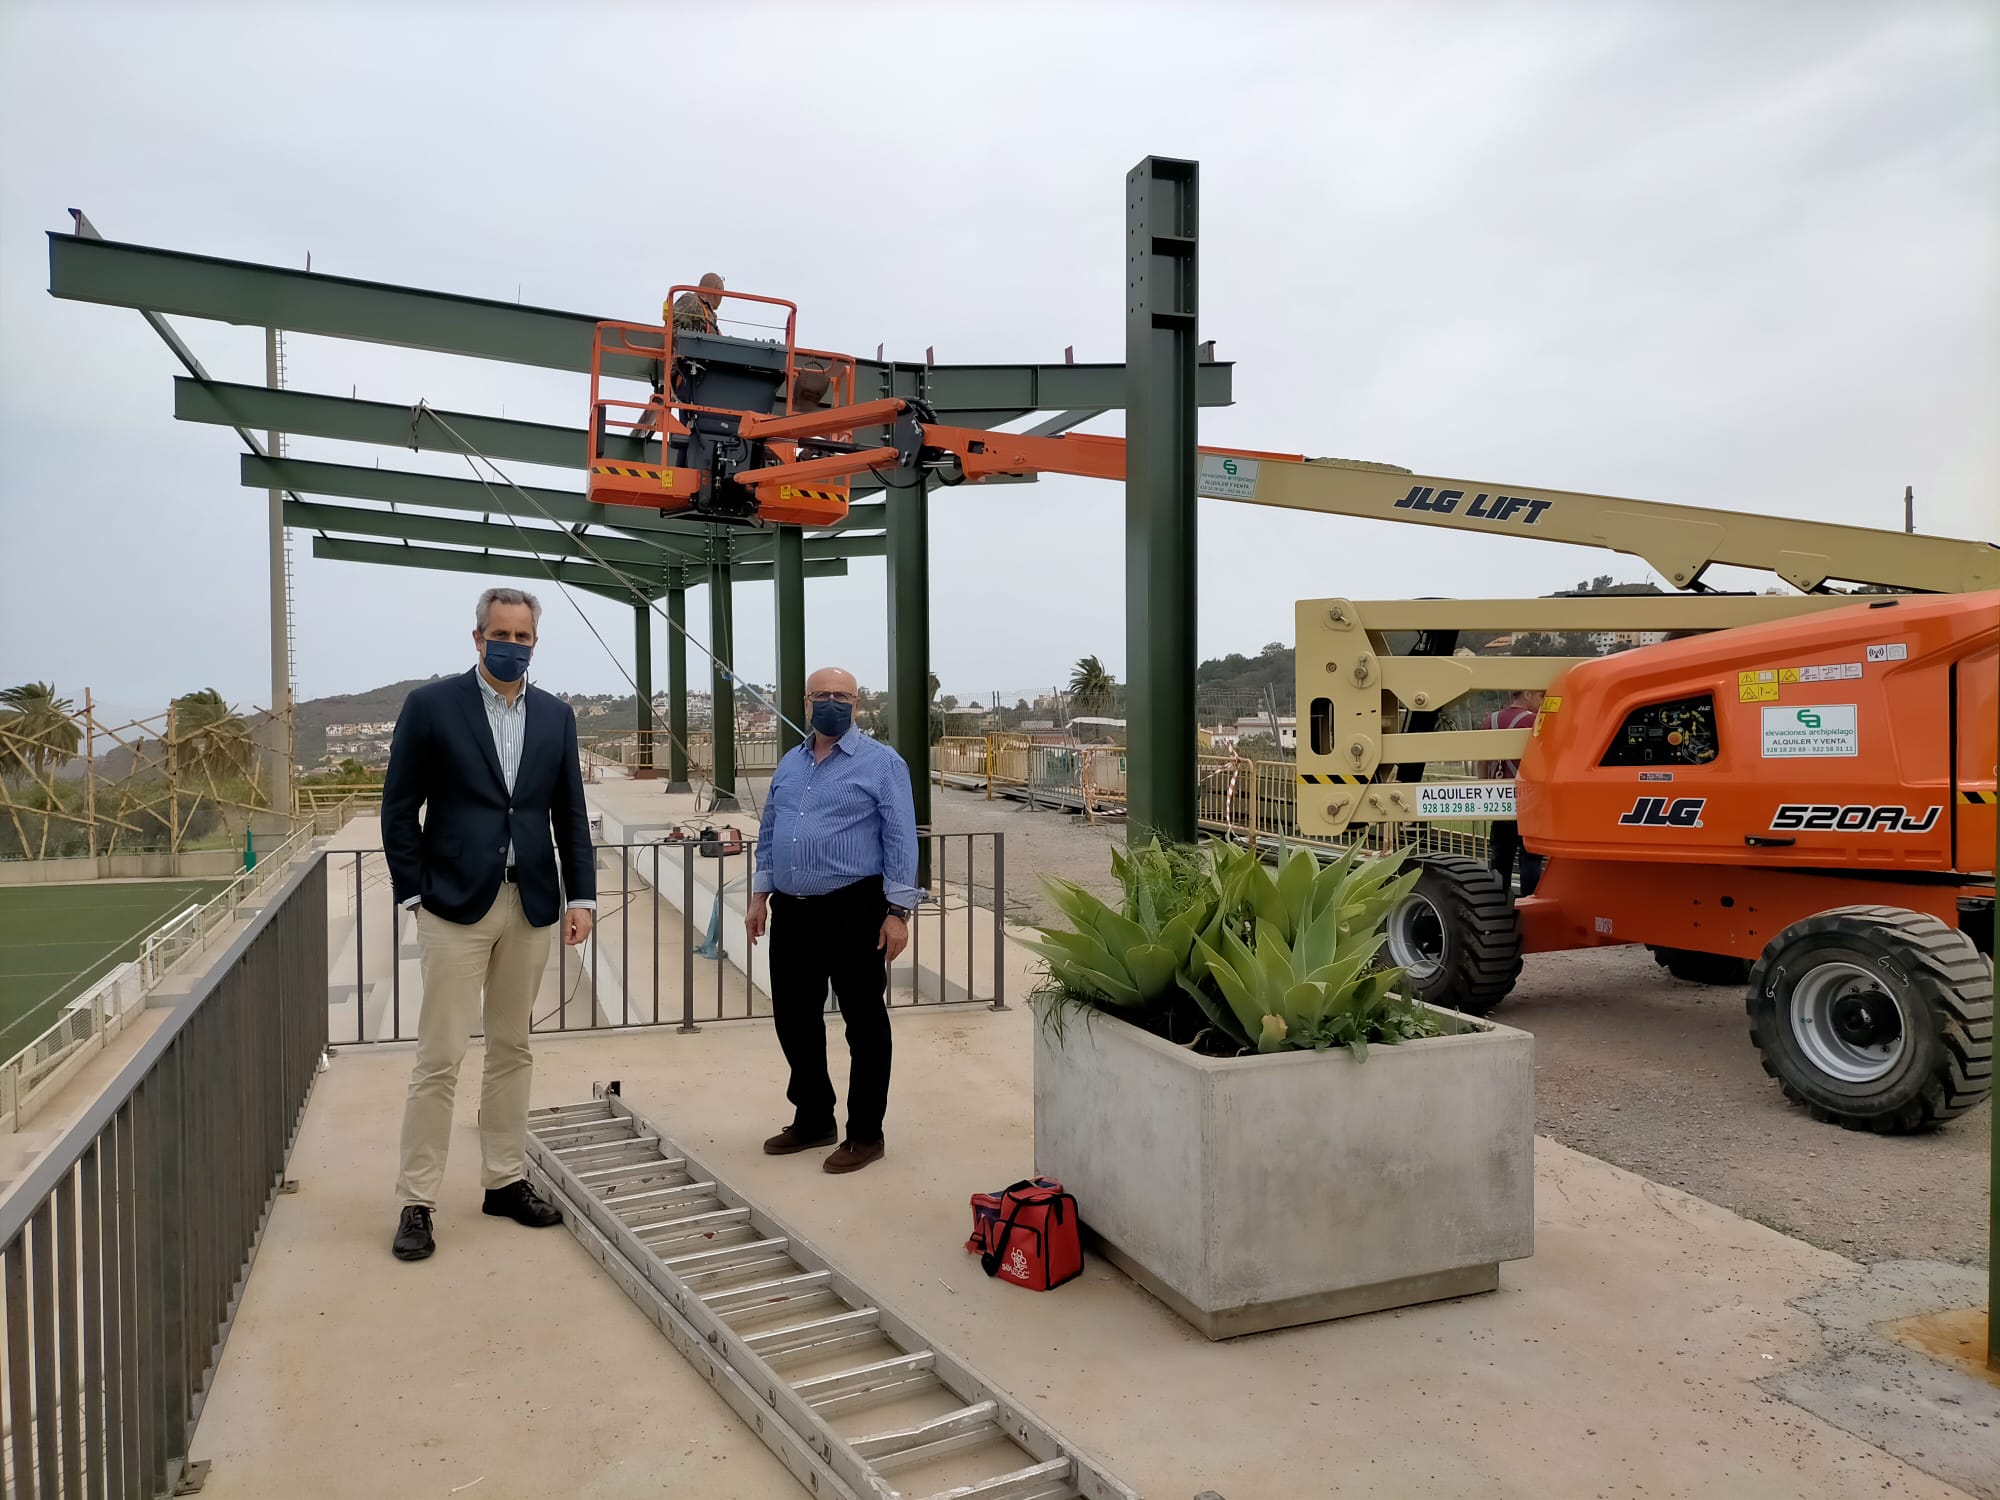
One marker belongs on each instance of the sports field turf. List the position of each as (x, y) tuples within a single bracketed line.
[(56, 939)]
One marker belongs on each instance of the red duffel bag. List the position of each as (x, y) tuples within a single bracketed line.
[(1028, 1234)]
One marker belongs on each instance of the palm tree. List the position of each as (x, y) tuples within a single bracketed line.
[(40, 730), (207, 738), (1090, 686)]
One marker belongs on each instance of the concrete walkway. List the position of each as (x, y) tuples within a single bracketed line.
[(1637, 1354)]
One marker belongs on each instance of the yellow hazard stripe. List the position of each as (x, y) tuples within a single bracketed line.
[(628, 472), (1313, 778), (1980, 799), (791, 492)]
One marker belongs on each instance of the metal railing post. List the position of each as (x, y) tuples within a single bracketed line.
[(687, 939), (999, 921)]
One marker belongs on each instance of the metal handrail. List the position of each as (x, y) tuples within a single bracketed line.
[(124, 1249)]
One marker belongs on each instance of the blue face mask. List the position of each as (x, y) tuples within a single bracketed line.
[(507, 661), (833, 719)]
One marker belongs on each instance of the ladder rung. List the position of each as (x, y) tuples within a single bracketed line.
[(696, 1260), (1036, 1482), (794, 1337), (664, 1208), (708, 1221), (768, 1265), (905, 1446), (604, 1181), (839, 1343), (570, 1156), (740, 1299), (666, 1195), (585, 1133), (864, 1377), (599, 1108)]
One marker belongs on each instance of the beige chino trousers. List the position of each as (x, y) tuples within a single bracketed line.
[(506, 958)]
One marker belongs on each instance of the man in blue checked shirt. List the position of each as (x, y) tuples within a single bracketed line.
[(835, 885)]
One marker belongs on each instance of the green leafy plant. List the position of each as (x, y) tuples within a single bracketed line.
[(1129, 960), (1215, 945)]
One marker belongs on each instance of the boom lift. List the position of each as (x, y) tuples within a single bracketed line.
[(1807, 795)]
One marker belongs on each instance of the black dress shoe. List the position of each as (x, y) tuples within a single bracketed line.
[(413, 1234), (522, 1204)]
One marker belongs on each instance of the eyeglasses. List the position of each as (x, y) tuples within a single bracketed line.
[(829, 697)]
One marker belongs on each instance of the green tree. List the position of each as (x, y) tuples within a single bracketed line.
[(1090, 687), (41, 732), (208, 738)]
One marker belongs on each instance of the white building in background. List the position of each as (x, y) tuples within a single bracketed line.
[(1256, 724)]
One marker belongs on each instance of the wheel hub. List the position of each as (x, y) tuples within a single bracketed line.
[(1867, 1019), (1416, 937), (1847, 1025)]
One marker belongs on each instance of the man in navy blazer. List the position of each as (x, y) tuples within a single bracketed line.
[(493, 763)]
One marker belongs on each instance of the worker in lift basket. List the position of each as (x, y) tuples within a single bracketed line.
[(691, 312), (694, 312)]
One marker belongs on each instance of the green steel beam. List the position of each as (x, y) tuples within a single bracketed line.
[(677, 687), (642, 681), (444, 492), (565, 507), (790, 605), (499, 565), (1161, 229), (910, 625), (385, 424), (416, 526), (229, 291), (577, 575), (722, 685)]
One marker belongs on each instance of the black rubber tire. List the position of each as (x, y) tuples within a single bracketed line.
[(1703, 968), (1480, 934), (1942, 987)]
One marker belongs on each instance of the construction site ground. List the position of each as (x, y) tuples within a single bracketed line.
[(1654, 1345), (1643, 1070)]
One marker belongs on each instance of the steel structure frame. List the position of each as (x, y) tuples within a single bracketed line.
[(664, 556)]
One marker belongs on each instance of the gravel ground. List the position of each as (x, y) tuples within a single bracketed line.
[(1642, 1070)]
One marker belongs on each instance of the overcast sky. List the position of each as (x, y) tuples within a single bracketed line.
[(1739, 255)]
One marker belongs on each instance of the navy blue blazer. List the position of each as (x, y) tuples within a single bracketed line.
[(443, 760)]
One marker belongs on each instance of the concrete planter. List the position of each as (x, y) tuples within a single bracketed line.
[(1261, 1192)]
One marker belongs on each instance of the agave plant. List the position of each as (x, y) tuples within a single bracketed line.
[(1305, 975), (1129, 960)]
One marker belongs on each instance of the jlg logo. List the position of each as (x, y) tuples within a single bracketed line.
[(1658, 812), (1521, 510), (1863, 817)]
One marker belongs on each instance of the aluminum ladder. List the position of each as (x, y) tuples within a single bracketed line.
[(799, 1350)]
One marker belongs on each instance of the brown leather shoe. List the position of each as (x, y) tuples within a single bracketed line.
[(852, 1157), (788, 1141)]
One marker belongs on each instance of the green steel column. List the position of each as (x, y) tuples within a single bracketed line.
[(1160, 362), (677, 684), (642, 675), (722, 641), (910, 632), (790, 580)]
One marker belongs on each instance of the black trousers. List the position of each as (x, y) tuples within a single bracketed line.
[(1503, 847), (817, 941)]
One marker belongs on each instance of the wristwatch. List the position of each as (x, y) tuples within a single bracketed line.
[(900, 911)]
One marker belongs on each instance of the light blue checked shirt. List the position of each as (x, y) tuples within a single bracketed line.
[(828, 823)]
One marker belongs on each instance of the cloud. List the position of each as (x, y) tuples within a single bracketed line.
[(1738, 256)]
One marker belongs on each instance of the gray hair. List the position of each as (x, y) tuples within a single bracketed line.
[(506, 596)]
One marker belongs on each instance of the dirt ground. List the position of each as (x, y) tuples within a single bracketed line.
[(1642, 1070)]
